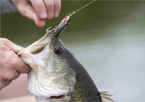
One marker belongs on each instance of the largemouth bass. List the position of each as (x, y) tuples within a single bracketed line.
[(56, 75)]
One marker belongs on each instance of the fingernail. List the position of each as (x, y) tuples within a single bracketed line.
[(50, 15), (43, 14), (56, 14)]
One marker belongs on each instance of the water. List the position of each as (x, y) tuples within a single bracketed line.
[(108, 38)]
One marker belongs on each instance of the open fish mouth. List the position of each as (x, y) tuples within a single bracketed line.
[(52, 78)]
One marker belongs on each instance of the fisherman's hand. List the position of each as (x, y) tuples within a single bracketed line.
[(38, 10), (10, 64)]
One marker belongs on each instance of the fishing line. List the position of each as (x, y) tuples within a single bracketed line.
[(85, 6), (70, 14)]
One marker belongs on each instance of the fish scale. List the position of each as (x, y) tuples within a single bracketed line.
[(84, 87)]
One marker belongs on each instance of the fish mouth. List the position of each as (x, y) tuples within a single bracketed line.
[(41, 50), (59, 98), (56, 97), (40, 44), (53, 98)]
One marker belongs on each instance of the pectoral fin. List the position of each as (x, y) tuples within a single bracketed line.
[(106, 97)]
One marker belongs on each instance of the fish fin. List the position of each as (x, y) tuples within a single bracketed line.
[(106, 97)]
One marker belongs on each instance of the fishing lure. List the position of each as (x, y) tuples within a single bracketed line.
[(66, 20)]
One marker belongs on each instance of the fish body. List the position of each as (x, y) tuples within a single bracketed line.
[(56, 75)]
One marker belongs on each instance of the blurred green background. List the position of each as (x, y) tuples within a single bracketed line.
[(108, 38)]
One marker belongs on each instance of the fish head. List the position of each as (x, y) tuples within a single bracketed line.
[(52, 76), (48, 45)]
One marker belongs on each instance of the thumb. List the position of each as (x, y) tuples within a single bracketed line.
[(16, 48), (12, 46)]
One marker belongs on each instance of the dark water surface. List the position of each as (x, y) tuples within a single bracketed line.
[(108, 38)]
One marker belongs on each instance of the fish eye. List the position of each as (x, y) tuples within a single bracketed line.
[(58, 50)]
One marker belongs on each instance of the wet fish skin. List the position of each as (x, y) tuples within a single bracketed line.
[(65, 63), (85, 88)]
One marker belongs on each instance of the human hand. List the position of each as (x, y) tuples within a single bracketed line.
[(11, 66), (38, 10)]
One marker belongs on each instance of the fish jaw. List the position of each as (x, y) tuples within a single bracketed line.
[(37, 51)]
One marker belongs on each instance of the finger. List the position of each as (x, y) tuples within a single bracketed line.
[(30, 13), (39, 8), (50, 8), (39, 22), (13, 63), (3, 47), (57, 7), (27, 11), (18, 64), (23, 67), (4, 83), (9, 74), (11, 45)]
